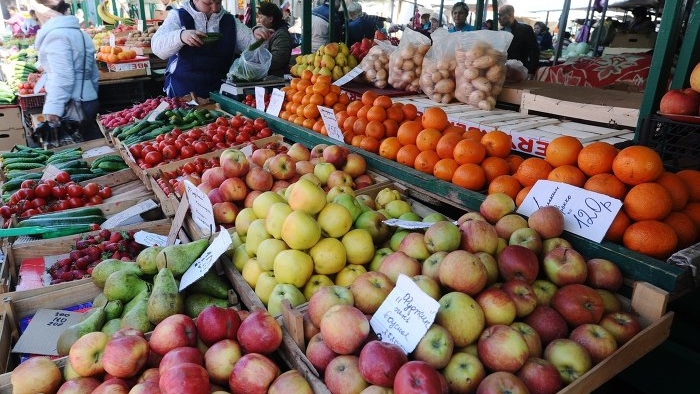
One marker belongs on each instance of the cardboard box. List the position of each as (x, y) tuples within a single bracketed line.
[(634, 40), (11, 127)]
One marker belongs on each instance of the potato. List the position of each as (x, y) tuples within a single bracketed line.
[(475, 97), (493, 74), (483, 62), (445, 85), (375, 66), (483, 84)]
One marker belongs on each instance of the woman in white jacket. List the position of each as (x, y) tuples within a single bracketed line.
[(67, 56)]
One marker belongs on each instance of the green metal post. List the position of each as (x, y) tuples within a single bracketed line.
[(690, 51), (306, 27), (254, 11), (142, 14), (479, 21)]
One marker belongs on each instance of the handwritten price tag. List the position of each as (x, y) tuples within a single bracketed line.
[(157, 111), (260, 98), (150, 239), (331, 123), (128, 213), (276, 100), (207, 259), (200, 207), (405, 315), (349, 76), (586, 213), (43, 331)]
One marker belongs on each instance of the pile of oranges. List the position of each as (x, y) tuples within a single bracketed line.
[(303, 96), (110, 54)]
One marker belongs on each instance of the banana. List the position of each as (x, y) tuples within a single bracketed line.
[(102, 12)]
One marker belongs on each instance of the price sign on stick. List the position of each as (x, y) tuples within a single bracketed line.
[(128, 213), (260, 98), (200, 207), (586, 213), (204, 262), (150, 239), (276, 100), (331, 123), (349, 76)]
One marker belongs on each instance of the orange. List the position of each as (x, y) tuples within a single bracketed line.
[(435, 118), (324, 78), (335, 89), (692, 180), (347, 136), (521, 195), (377, 113), (596, 158), (408, 131), (356, 140), (309, 89), (684, 227), (383, 101), (359, 126), (676, 187), (362, 112), (469, 151), (425, 161), (497, 143), (531, 170), (389, 148), (445, 168), (349, 122), (474, 133), (410, 112), (693, 212), (284, 115), (337, 107), (317, 126), (394, 113), (391, 127), (647, 201), (375, 129), (370, 144), (407, 155), (563, 150), (495, 166), (652, 238), (343, 98), (568, 173), (428, 139), (469, 176), (322, 88), (453, 129), (514, 162), (617, 227), (368, 97), (297, 97), (446, 145), (340, 117), (608, 184), (353, 107), (308, 123), (637, 164), (506, 184), (311, 112), (330, 99)]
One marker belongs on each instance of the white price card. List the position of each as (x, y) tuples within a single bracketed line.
[(247, 150), (349, 76), (408, 224), (200, 266), (121, 217), (331, 123), (163, 106), (150, 239), (260, 98), (586, 213), (43, 331), (200, 207), (276, 101), (99, 151), (112, 40), (50, 172), (405, 315)]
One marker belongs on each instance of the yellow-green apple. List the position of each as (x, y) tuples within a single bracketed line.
[(431, 265), (317, 150), (335, 220), (502, 348), (307, 197), (379, 255), (610, 301), (502, 243), (540, 376), (551, 243), (234, 163), (509, 223), (622, 325), (215, 323), (260, 156), (373, 222), (253, 373), (435, 348), (259, 333), (79, 385), (36, 375), (462, 316), (299, 151), (342, 375), (490, 265), (348, 274), (363, 181), (112, 385), (293, 266), (397, 237), (316, 282), (522, 294), (344, 328), (418, 377), (219, 359), (251, 272), (303, 167), (183, 354), (548, 323), (478, 236), (366, 201), (276, 215), (213, 176), (325, 298), (518, 262), (374, 389), (86, 353), (243, 219), (264, 201), (123, 357), (532, 338), (680, 102), (349, 201), (225, 212), (318, 353), (379, 361), (528, 238), (442, 236), (464, 372), (429, 286), (497, 305), (281, 166), (369, 290), (399, 263), (462, 271), (398, 207), (322, 171), (496, 206), (255, 235), (335, 191), (268, 250), (578, 304), (413, 244), (300, 230), (288, 382), (564, 266), (174, 331), (68, 371), (411, 217), (569, 357), (355, 164), (385, 196), (359, 246), (598, 341), (259, 179), (283, 291), (544, 291), (339, 178), (547, 220), (435, 217), (603, 274)]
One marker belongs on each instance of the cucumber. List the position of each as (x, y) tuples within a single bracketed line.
[(77, 212), (112, 166), (22, 166), (52, 222), (69, 229)]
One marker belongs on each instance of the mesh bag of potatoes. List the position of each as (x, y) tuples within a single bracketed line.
[(376, 64), (437, 77), (481, 67), (406, 62)]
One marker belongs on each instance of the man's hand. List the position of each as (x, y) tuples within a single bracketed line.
[(192, 38)]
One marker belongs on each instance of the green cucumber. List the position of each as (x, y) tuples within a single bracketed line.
[(112, 166), (22, 166), (52, 222), (77, 212), (65, 230)]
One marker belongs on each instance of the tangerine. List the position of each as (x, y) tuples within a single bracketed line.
[(469, 151), (410, 112), (684, 227), (375, 129), (389, 148), (394, 113), (531, 170), (495, 166), (497, 143), (407, 155), (425, 161), (445, 168), (349, 122), (514, 162), (353, 107), (359, 126), (362, 112), (435, 118), (647, 201), (617, 227), (506, 184), (474, 133), (454, 129), (370, 144), (408, 132), (469, 176), (377, 113), (637, 164), (563, 150), (428, 139), (368, 97), (608, 184), (446, 144), (383, 101), (522, 194), (676, 187), (692, 209), (567, 173), (652, 238), (391, 127)]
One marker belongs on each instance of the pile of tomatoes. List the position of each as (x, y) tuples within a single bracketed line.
[(249, 99), (177, 144), (170, 181), (139, 111), (50, 195)]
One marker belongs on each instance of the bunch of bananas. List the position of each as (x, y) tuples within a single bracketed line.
[(103, 10)]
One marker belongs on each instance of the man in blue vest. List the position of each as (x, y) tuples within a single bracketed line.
[(320, 16)]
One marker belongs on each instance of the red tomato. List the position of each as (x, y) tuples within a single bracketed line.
[(63, 177), (179, 143), (75, 202), (264, 132), (221, 121), (186, 152), (29, 183), (170, 152), (96, 199), (236, 121), (75, 191), (43, 191), (153, 158), (106, 192), (189, 168), (201, 147), (62, 205), (91, 189), (58, 192), (259, 124), (5, 212), (50, 182), (38, 202), (136, 150), (242, 137)]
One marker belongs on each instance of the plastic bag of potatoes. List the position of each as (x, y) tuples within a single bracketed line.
[(376, 64), (406, 62), (437, 77), (481, 67)]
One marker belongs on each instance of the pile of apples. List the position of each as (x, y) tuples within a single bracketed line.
[(333, 59), (222, 351), (520, 310), (684, 101)]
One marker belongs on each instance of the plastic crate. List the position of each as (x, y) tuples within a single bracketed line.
[(29, 101), (678, 143)]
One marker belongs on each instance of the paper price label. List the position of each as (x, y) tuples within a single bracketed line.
[(43, 331), (260, 98), (331, 123), (405, 315), (50, 172), (150, 239), (203, 264), (349, 76), (276, 101), (247, 150), (407, 224), (128, 213), (163, 106), (112, 40), (200, 207), (586, 213), (99, 151)]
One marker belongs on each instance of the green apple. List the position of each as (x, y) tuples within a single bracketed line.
[(275, 217), (243, 220), (267, 251), (311, 177), (442, 236), (251, 270), (329, 256), (315, 282), (293, 266), (337, 190), (240, 257), (431, 265), (429, 285), (464, 372), (396, 208), (335, 220), (256, 234), (379, 255), (262, 203), (544, 291), (366, 201), (435, 217), (359, 246), (350, 203), (462, 316), (569, 357), (373, 221), (264, 285), (300, 230), (410, 217), (348, 274), (385, 196), (396, 238), (283, 291), (435, 348), (322, 170)]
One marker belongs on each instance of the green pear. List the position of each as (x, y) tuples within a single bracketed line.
[(178, 258), (137, 317), (196, 302), (165, 299), (144, 294), (146, 260), (92, 321), (123, 285), (112, 326), (106, 267), (113, 309), (211, 284), (100, 300)]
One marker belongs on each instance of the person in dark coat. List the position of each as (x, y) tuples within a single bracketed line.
[(280, 43), (524, 45)]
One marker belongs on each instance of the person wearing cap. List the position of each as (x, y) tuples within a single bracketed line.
[(362, 25), (321, 17), (269, 16)]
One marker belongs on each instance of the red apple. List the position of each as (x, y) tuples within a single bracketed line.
[(250, 198), (259, 333), (303, 167), (496, 206), (152, 373), (519, 262), (527, 237), (113, 386), (578, 304), (548, 323), (461, 271), (339, 178), (502, 348), (497, 305), (342, 375), (522, 294), (128, 331), (213, 176), (502, 383), (564, 266), (531, 337), (680, 102), (603, 274), (124, 356), (259, 179), (318, 353), (548, 221), (569, 358), (184, 354), (317, 151), (225, 212), (174, 331), (336, 155), (36, 375), (281, 166), (436, 347), (344, 328), (478, 236), (363, 181), (464, 372), (369, 290), (261, 155), (379, 361), (214, 194), (622, 325), (234, 163), (233, 189), (253, 373), (184, 378), (299, 152), (85, 354), (289, 382), (418, 377), (324, 298), (355, 165), (215, 323), (540, 376), (598, 341), (220, 358), (146, 387), (78, 386)]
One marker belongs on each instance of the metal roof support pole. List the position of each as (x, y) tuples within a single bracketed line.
[(690, 49), (563, 18)]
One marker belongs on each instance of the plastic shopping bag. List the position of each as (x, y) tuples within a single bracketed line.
[(252, 65)]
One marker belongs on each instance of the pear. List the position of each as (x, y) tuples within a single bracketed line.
[(100, 300), (211, 284), (146, 260), (196, 302), (112, 326), (92, 320), (123, 285), (137, 317), (106, 267), (165, 299), (178, 258), (113, 309), (144, 294)]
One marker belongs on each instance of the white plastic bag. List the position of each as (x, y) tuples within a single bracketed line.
[(405, 64), (437, 78), (376, 64), (251, 65)]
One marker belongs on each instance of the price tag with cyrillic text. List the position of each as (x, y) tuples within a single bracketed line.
[(349, 76), (150, 239), (200, 208), (276, 101), (128, 213), (260, 98), (331, 123)]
